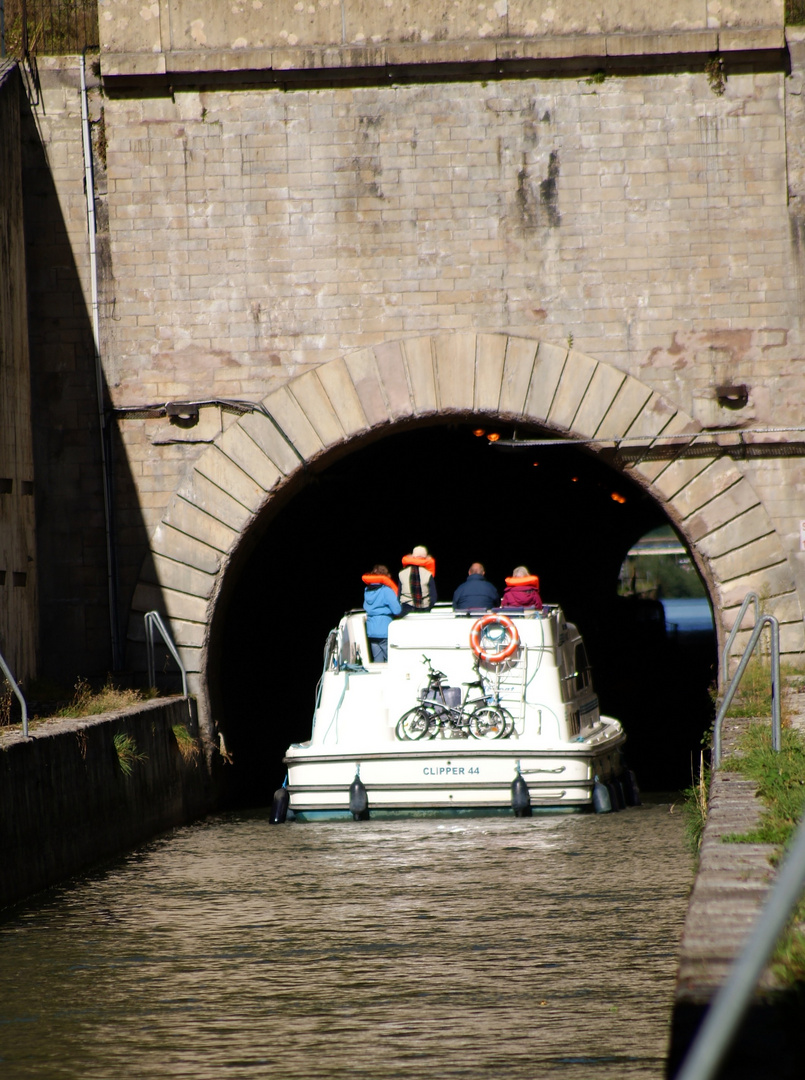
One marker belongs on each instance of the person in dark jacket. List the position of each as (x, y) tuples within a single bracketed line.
[(476, 593), (522, 590), (381, 606)]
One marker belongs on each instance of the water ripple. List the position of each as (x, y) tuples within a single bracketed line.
[(540, 947)]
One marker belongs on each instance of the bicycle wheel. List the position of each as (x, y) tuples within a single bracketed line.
[(507, 716), (415, 724), (491, 722)]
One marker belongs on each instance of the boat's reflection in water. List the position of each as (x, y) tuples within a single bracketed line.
[(446, 948)]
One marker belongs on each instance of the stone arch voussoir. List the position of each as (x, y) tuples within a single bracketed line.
[(709, 499)]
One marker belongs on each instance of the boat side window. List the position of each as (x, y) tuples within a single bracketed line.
[(355, 648), (566, 675), (582, 673)]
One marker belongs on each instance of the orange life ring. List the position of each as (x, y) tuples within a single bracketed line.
[(476, 633)]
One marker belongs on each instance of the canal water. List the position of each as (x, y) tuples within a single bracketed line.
[(542, 947)]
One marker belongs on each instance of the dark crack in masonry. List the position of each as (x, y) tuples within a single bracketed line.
[(548, 193)]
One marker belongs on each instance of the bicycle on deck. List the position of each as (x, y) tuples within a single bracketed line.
[(437, 715)]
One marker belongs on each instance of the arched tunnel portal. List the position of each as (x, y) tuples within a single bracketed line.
[(263, 547), (442, 486)]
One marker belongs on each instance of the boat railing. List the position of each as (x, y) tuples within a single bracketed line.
[(153, 621), (17, 693), (774, 627)]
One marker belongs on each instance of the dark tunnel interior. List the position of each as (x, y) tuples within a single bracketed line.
[(562, 511)]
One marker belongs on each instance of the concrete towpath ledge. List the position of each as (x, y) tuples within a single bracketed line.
[(66, 803), (731, 886)]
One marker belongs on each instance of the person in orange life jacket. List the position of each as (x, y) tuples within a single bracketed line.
[(418, 581), (381, 606), (521, 590)]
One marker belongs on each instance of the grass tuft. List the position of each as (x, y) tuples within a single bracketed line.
[(6, 701), (780, 779), (753, 696), (127, 753), (694, 808), (87, 702), (188, 746)]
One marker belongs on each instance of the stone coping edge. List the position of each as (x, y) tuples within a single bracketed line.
[(47, 727), (282, 62), (67, 803)]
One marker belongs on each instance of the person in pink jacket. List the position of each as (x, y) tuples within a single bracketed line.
[(522, 590)]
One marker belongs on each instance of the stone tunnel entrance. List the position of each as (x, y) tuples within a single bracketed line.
[(562, 511), (262, 546)]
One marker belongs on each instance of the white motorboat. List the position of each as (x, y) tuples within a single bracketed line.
[(473, 712)]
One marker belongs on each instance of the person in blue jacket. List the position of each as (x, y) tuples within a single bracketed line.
[(381, 605), (476, 593)]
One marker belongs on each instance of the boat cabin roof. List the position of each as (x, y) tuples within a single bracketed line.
[(442, 628)]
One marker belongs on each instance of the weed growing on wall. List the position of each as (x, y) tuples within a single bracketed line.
[(127, 753), (6, 699), (694, 807), (716, 76), (188, 747)]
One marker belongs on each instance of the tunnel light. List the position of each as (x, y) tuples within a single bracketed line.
[(618, 498), (535, 464), (478, 432), (574, 479), (493, 436)]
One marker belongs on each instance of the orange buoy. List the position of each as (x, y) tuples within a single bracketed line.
[(476, 634)]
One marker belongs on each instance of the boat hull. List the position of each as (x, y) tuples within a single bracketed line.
[(405, 812), (449, 778), (368, 739)]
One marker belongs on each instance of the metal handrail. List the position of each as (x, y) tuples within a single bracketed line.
[(716, 1034), (750, 596), (772, 622), (724, 1016), (18, 693), (154, 619)]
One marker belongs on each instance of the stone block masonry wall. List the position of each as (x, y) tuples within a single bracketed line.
[(258, 232), (71, 546), (255, 233), (176, 29), (18, 609), (272, 229), (65, 802)]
